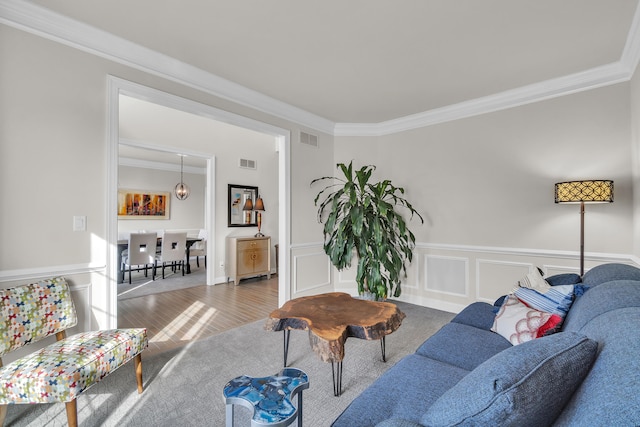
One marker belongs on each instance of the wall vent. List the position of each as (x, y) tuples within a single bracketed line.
[(247, 164), (309, 139)]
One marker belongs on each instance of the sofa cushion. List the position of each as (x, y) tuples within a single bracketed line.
[(518, 323), (452, 344), (477, 314), (610, 393), (601, 299), (400, 393), (608, 272), (564, 279), (528, 384), (397, 422)]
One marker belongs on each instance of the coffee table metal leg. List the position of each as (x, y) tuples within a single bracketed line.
[(229, 415), (336, 371), (300, 409), (383, 345), (287, 334)]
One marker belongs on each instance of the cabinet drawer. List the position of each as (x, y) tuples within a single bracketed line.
[(244, 245)]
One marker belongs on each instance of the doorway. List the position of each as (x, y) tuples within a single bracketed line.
[(278, 136)]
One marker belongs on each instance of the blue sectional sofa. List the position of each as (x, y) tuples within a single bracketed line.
[(588, 374)]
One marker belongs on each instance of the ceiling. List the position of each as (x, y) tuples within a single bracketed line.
[(370, 61)]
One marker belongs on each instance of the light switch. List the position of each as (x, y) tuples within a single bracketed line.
[(80, 223)]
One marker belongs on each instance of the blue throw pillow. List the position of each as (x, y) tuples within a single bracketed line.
[(527, 384), (564, 279)]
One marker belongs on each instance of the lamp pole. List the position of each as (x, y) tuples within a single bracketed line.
[(581, 238)]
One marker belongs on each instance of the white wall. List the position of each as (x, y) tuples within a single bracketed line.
[(485, 186), (635, 159), (53, 165)]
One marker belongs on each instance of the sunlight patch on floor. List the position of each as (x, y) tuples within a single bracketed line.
[(171, 331), (194, 332), (136, 287)]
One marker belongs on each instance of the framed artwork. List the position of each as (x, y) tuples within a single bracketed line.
[(143, 204), (238, 197)]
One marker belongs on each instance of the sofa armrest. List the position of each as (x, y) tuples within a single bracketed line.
[(478, 314)]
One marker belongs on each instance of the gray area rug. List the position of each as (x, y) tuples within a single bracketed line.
[(141, 285), (184, 387)]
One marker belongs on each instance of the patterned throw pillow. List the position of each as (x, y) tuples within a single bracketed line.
[(518, 323), (557, 300)]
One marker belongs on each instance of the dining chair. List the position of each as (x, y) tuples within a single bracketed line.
[(199, 248), (173, 251), (140, 253)]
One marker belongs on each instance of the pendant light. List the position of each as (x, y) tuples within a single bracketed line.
[(182, 190)]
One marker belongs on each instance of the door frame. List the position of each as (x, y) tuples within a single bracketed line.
[(282, 137)]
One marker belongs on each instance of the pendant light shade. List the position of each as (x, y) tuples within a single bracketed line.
[(182, 190)]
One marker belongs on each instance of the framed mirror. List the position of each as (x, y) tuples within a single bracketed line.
[(242, 198)]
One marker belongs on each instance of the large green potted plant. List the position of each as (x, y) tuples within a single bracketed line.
[(365, 217)]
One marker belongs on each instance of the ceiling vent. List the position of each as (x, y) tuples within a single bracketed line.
[(247, 164), (309, 139)]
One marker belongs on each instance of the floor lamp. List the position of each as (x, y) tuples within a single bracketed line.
[(584, 192)]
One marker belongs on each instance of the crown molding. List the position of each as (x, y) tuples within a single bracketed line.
[(149, 164), (53, 26), (631, 53), (578, 82), (50, 25)]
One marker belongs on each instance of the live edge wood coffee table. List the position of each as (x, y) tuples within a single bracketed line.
[(332, 318)]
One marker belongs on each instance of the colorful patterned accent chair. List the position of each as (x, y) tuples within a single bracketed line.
[(62, 370)]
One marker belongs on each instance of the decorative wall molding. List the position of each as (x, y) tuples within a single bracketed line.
[(37, 20), (546, 253), (47, 272), (431, 263), (322, 282), (147, 164), (578, 82)]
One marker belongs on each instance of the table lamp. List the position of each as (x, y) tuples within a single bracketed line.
[(592, 191), (259, 208), (247, 208)]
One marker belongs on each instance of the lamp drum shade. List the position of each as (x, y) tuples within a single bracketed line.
[(259, 204), (592, 191)]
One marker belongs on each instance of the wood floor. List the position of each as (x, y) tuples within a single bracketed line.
[(176, 318)]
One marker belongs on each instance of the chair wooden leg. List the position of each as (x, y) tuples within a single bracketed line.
[(198, 261), (137, 363), (72, 413), (205, 261), (3, 414)]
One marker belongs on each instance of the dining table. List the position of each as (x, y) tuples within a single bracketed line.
[(124, 244)]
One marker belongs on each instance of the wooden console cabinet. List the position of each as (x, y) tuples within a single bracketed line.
[(248, 257)]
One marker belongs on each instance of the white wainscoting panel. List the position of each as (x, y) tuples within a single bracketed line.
[(311, 272), (496, 277), (446, 274)]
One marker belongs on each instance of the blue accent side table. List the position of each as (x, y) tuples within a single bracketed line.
[(268, 397)]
